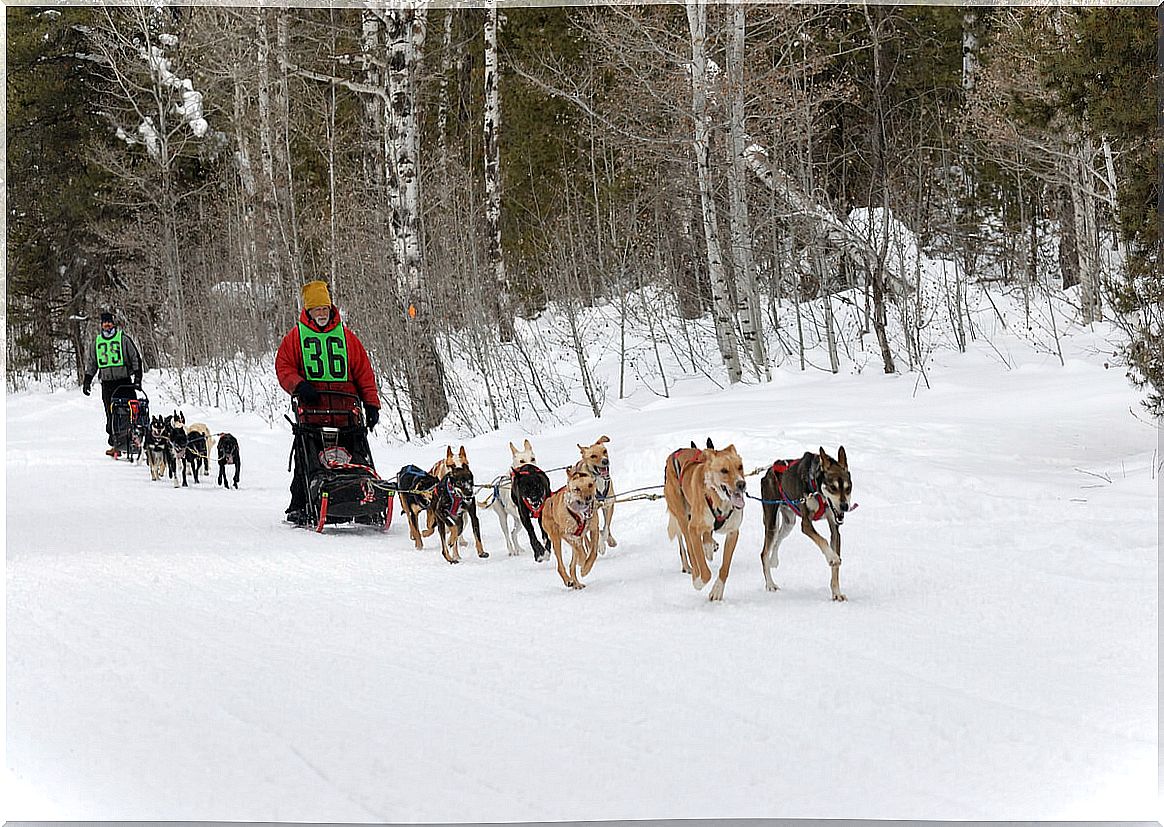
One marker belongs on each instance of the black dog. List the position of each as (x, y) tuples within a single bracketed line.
[(176, 440), (530, 488), (228, 455), (454, 499), (416, 488)]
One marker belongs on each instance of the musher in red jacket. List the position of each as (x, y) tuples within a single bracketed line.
[(318, 355)]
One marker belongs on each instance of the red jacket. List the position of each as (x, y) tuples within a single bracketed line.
[(361, 379)]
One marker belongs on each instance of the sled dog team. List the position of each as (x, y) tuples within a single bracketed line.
[(704, 489), (172, 447)]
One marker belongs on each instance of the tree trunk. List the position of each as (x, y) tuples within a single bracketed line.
[(725, 330), (747, 296), (404, 39), (492, 153)]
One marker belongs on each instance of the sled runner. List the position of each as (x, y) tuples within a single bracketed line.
[(130, 420), (339, 475)]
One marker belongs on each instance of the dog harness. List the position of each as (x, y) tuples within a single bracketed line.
[(680, 470), (581, 523), (780, 466), (536, 513), (325, 353)]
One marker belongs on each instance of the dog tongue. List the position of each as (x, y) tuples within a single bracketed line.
[(737, 500)]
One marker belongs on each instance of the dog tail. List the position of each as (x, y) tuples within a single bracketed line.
[(673, 530)]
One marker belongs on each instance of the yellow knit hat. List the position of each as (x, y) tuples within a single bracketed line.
[(315, 294)]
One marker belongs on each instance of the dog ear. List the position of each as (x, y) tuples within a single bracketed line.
[(693, 445), (825, 459), (601, 439), (527, 446), (512, 450), (841, 458), (448, 453), (710, 444), (461, 456)]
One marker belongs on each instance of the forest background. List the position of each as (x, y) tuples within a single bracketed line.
[(452, 169)]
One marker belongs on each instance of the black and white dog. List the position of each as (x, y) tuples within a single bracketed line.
[(156, 443), (179, 445), (520, 497), (228, 455)]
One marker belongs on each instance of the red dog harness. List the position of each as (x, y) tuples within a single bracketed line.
[(780, 466), (680, 470), (581, 523)]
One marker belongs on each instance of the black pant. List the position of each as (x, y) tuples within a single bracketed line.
[(298, 485), (108, 395)]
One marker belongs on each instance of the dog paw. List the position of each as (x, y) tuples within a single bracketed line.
[(772, 587), (610, 541), (839, 598), (716, 591), (577, 584), (698, 583), (482, 554)]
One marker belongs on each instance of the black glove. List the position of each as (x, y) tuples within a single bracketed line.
[(87, 386), (307, 392), (371, 415), (137, 380)]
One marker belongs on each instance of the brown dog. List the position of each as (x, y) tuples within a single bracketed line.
[(569, 514), (704, 490), (452, 501), (596, 463), (805, 490)]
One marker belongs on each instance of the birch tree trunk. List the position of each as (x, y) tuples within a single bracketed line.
[(1083, 210), (404, 30), (747, 296), (268, 187), (443, 94), (725, 331), (492, 155)]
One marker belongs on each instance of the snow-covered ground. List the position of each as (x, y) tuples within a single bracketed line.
[(182, 654)]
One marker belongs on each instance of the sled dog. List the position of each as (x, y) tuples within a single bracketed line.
[(228, 454), (569, 515), (596, 462), (704, 491), (806, 489), (520, 496), (452, 502)]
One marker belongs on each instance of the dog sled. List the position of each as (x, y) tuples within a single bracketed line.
[(129, 420), (335, 461)]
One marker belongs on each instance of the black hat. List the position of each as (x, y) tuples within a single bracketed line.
[(106, 316)]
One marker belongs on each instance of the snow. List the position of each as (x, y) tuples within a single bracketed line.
[(181, 654)]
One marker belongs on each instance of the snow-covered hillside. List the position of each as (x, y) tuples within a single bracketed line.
[(182, 654)]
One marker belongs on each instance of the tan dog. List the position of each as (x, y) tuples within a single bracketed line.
[(569, 515), (704, 490), (596, 463), (201, 428)]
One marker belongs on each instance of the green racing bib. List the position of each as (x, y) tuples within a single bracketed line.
[(109, 352), (325, 355)]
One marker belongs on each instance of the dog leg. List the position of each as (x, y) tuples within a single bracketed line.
[(444, 544), (454, 538), (527, 523), (835, 579), (607, 536), (700, 571), (589, 556), (557, 543), (237, 468), (729, 548), (575, 555), (472, 509), (414, 526), (498, 508), (834, 559), (775, 532), (676, 533)]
